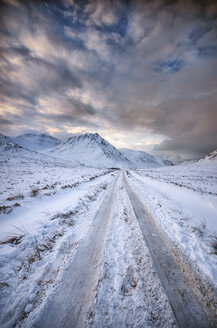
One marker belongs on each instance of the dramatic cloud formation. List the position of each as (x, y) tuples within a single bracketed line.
[(141, 73)]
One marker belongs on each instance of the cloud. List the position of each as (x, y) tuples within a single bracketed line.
[(170, 66), (101, 13), (143, 66), (187, 148), (4, 122)]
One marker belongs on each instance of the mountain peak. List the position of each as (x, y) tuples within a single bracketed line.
[(87, 135), (90, 149), (212, 155)]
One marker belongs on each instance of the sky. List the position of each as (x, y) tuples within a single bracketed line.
[(143, 74)]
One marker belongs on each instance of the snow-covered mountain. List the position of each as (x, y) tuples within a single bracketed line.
[(20, 155), (141, 159), (6, 144), (212, 156), (36, 142), (4, 139), (90, 149), (209, 160)]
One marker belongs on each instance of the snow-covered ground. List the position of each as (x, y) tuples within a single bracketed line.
[(141, 159), (29, 182), (183, 202), (39, 234), (36, 142), (200, 176), (49, 208), (128, 292)]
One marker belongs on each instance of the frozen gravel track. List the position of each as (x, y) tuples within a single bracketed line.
[(185, 305), (116, 276), (70, 302)]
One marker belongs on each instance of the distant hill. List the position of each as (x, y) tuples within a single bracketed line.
[(4, 139), (36, 142), (210, 158), (90, 149), (141, 159), (7, 145), (9, 149)]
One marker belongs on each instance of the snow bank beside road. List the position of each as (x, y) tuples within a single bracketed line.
[(186, 216), (34, 211), (31, 264), (198, 207)]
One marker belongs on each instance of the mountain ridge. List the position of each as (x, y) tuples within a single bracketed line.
[(143, 159), (36, 142), (90, 149), (87, 149)]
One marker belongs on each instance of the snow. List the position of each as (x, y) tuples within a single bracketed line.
[(198, 207), (141, 159), (90, 149), (128, 293), (4, 139), (183, 202), (36, 142), (45, 239), (28, 308), (6, 145), (48, 202), (35, 211), (211, 157), (200, 177)]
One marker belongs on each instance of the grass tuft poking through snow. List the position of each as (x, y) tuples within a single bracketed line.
[(34, 192), (19, 196), (213, 242), (31, 262), (200, 229)]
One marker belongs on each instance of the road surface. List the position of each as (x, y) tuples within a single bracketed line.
[(69, 305)]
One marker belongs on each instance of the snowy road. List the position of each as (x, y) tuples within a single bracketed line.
[(186, 308), (70, 303), (113, 269)]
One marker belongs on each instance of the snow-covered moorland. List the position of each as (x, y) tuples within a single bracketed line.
[(73, 252), (183, 200), (44, 205)]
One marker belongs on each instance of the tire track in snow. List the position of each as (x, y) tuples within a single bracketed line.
[(186, 308), (70, 302), (128, 293)]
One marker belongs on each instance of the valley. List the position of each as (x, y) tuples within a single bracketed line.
[(75, 244)]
